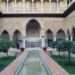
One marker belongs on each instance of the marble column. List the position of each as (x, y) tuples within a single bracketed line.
[(7, 5), (32, 8), (44, 44), (41, 5), (23, 2), (54, 37), (58, 5), (22, 43), (50, 5), (15, 4)]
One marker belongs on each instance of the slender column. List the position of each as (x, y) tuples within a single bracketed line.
[(25, 5), (23, 43), (15, 3), (71, 35), (44, 44), (71, 38), (54, 36), (32, 5), (57, 5), (66, 37), (41, 5), (50, 4), (23, 2), (11, 37), (0, 3), (7, 5)]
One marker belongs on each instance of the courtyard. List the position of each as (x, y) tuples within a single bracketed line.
[(59, 58), (37, 37)]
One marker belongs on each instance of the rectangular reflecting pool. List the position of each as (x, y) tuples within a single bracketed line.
[(33, 65)]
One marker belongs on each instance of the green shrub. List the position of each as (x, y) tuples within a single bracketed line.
[(4, 44), (73, 47), (13, 44)]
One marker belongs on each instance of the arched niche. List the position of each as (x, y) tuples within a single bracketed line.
[(33, 28), (60, 35)]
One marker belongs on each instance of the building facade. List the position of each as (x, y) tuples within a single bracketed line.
[(53, 19)]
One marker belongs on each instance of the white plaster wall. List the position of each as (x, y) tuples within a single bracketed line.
[(69, 22), (54, 24), (28, 7), (11, 24)]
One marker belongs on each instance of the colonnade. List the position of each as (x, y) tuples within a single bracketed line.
[(35, 5)]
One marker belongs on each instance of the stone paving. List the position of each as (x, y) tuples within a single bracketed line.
[(52, 65)]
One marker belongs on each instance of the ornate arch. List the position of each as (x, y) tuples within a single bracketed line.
[(5, 34), (60, 34), (33, 28)]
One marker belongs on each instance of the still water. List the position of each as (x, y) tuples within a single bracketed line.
[(33, 65)]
